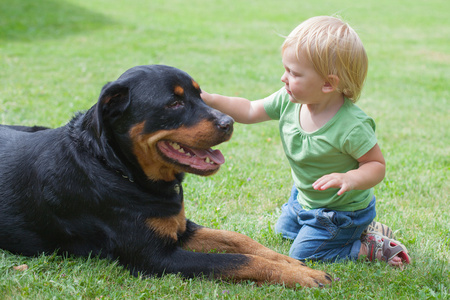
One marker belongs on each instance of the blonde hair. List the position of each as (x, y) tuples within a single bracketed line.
[(334, 48)]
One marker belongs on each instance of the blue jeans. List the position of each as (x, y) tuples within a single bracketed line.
[(323, 234)]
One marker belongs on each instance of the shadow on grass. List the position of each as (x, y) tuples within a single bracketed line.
[(26, 20)]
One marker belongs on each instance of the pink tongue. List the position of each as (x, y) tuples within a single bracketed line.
[(214, 155)]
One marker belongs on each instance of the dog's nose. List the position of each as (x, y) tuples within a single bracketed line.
[(225, 123)]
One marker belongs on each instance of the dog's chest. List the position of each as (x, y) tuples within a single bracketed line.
[(168, 227)]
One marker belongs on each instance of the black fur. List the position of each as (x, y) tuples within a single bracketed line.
[(79, 188)]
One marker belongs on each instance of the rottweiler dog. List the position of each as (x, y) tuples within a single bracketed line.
[(109, 184)]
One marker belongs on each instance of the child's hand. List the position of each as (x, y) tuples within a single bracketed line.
[(369, 173), (335, 180), (205, 96)]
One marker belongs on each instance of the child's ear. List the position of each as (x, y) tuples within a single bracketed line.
[(331, 84)]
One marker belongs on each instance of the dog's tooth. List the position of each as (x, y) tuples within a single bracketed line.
[(188, 154), (181, 150), (207, 160), (175, 146)]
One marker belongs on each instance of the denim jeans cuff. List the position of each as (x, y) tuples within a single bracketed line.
[(354, 252)]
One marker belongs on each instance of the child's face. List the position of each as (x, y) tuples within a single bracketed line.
[(303, 83)]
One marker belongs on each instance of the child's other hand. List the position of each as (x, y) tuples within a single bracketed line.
[(340, 181), (369, 173)]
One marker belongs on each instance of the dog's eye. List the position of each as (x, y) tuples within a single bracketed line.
[(175, 104)]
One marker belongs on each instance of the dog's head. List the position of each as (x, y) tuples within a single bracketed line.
[(154, 116)]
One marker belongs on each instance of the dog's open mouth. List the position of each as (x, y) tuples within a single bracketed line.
[(198, 159)]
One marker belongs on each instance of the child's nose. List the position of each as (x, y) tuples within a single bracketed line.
[(284, 78)]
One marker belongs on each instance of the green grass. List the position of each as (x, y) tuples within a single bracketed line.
[(56, 55)]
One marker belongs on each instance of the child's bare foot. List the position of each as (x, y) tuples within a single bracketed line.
[(378, 247)]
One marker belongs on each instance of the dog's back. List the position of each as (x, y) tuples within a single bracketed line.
[(59, 191), (45, 193), (20, 148)]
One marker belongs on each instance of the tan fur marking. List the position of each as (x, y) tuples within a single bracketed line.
[(263, 270), (264, 265), (206, 240), (169, 227), (144, 148), (179, 90), (201, 136), (136, 130), (195, 84)]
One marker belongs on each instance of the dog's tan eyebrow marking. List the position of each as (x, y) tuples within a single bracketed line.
[(179, 91), (195, 84)]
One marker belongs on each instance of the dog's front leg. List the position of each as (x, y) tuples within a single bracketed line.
[(207, 240), (241, 267), (239, 257)]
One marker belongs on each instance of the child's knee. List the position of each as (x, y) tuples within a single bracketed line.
[(304, 251), (286, 229), (287, 223)]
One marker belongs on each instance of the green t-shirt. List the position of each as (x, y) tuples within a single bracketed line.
[(334, 148)]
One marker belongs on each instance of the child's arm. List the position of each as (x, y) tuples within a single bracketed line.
[(240, 109), (370, 172)]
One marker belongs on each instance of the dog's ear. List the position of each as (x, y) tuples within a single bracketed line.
[(112, 102)]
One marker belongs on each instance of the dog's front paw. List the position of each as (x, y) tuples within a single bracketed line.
[(306, 277)]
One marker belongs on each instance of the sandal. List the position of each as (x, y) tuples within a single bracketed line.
[(380, 229), (389, 248)]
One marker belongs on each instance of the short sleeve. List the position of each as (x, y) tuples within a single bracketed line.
[(275, 103), (360, 139)]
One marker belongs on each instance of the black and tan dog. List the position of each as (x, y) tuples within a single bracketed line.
[(109, 184)]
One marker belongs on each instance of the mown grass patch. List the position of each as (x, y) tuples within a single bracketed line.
[(56, 55)]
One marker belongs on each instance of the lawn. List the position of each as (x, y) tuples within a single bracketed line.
[(55, 55)]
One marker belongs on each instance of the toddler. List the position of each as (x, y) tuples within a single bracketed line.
[(330, 144)]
